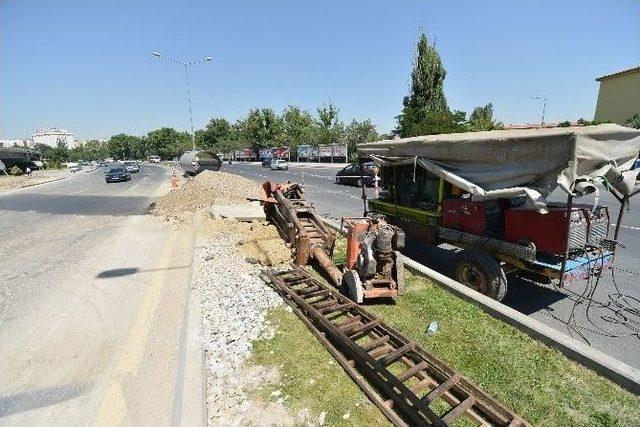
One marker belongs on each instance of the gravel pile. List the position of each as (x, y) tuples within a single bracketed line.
[(205, 189), (234, 304)]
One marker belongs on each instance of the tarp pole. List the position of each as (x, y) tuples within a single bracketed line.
[(568, 229), (623, 204), (364, 193), (395, 189)]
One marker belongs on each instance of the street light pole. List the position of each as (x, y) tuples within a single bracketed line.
[(544, 107), (186, 66)]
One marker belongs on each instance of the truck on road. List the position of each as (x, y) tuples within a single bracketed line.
[(486, 193)]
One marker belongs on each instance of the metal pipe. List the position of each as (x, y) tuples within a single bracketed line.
[(327, 264), (623, 204), (566, 250), (364, 193)]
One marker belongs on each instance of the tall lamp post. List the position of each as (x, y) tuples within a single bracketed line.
[(186, 66), (544, 106)]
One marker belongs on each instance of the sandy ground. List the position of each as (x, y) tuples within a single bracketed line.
[(10, 182)]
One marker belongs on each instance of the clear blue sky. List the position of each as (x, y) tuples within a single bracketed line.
[(87, 66)]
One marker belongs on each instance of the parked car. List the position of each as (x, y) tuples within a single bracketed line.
[(117, 174), (279, 164), (132, 166), (154, 159), (266, 162), (351, 175)]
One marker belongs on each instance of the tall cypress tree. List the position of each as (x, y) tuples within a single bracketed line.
[(427, 80), (425, 109)]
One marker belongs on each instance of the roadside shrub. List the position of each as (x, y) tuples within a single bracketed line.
[(52, 164), (16, 171)]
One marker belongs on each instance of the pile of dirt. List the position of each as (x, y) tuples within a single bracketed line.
[(205, 189), (257, 241)]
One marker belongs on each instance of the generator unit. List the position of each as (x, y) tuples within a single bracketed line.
[(547, 232), (475, 217)]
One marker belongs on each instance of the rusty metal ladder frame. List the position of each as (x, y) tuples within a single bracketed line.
[(318, 306)]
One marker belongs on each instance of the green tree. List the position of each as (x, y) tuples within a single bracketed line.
[(633, 121), (481, 118), (59, 153), (95, 150), (298, 127), (123, 146), (44, 150), (425, 108), (167, 143), (262, 128), (330, 130), (359, 133), (215, 134)]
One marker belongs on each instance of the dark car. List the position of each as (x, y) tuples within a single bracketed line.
[(351, 174), (117, 174), (266, 162)]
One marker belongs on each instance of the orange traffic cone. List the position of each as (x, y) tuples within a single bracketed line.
[(174, 179)]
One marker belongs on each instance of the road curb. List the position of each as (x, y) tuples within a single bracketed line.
[(618, 372), (190, 399)]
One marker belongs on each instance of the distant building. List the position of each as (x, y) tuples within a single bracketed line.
[(5, 143), (51, 136), (619, 96)]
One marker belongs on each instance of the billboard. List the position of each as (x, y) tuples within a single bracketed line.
[(339, 150), (246, 153), (304, 151), (325, 151), (281, 152), (264, 153)]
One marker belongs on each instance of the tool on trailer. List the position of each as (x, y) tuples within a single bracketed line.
[(410, 385), (373, 268)]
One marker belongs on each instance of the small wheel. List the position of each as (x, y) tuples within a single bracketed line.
[(480, 271), (352, 286)]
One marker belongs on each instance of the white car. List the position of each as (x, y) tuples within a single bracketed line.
[(131, 166), (154, 159), (279, 165)]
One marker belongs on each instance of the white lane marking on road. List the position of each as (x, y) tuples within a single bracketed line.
[(79, 191), (626, 226)]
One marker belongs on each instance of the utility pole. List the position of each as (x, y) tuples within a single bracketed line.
[(544, 106), (186, 66)]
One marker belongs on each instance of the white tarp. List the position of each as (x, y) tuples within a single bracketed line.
[(520, 162)]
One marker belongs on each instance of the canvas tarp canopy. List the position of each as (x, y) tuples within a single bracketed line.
[(520, 162)]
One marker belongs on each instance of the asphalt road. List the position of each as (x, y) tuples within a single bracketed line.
[(92, 301), (610, 322)]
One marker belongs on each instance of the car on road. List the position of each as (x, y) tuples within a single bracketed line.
[(266, 162), (279, 164), (132, 166), (351, 175), (154, 159), (117, 174)]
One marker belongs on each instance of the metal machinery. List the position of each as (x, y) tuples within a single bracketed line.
[(195, 161), (373, 268)]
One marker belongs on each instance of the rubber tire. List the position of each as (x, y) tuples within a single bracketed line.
[(488, 267)]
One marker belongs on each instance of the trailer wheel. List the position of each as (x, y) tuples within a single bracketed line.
[(480, 271)]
